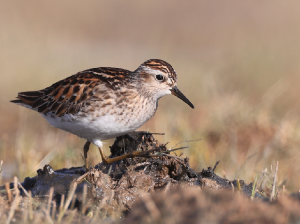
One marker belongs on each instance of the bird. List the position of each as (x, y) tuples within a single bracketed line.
[(105, 102)]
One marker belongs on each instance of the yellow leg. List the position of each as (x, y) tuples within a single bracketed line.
[(85, 151)]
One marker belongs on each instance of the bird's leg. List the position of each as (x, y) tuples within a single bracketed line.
[(125, 156), (104, 158), (85, 151)]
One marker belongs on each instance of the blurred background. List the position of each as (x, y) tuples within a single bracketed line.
[(237, 62)]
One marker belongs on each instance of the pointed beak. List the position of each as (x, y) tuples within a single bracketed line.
[(176, 92)]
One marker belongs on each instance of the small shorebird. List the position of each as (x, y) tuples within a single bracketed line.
[(103, 103)]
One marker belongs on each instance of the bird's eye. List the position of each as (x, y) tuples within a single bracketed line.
[(159, 78)]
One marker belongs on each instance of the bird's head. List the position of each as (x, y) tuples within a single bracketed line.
[(158, 78)]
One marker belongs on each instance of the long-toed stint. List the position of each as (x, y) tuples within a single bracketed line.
[(103, 103)]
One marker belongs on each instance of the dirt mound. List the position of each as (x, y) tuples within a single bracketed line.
[(157, 188), (121, 183)]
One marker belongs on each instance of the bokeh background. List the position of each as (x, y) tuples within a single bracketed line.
[(237, 62)]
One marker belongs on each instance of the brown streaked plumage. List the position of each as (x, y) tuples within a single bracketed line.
[(69, 95), (102, 103)]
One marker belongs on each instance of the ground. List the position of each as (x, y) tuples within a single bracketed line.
[(157, 188)]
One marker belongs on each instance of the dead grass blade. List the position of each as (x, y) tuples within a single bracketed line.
[(254, 188), (8, 191), (238, 185), (62, 201), (16, 189), (30, 206), (81, 178), (53, 210), (50, 200), (186, 141), (272, 197), (68, 201), (84, 195), (13, 207), (46, 160)]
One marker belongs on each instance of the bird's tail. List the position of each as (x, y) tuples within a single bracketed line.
[(26, 99)]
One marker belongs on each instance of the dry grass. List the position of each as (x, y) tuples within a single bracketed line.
[(17, 209), (237, 62)]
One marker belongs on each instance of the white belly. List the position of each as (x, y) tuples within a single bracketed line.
[(97, 128), (101, 128)]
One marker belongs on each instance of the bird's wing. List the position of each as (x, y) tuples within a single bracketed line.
[(69, 95)]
